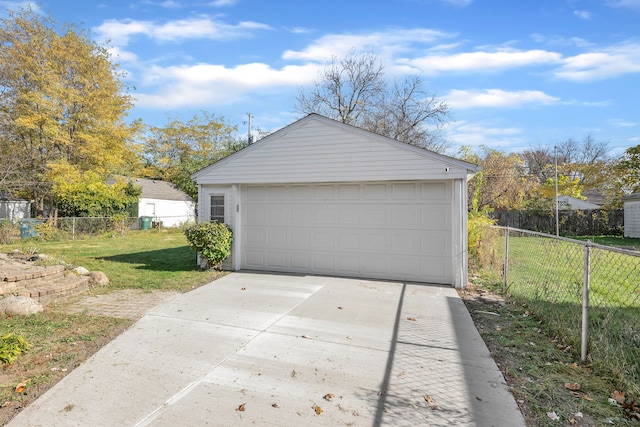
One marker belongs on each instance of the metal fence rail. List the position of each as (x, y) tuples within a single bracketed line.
[(77, 227), (587, 295)]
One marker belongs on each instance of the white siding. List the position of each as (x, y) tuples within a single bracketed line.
[(632, 218), (317, 151), (172, 213)]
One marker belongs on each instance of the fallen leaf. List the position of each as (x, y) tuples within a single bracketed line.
[(243, 289), (306, 336), (317, 409), (275, 405), (429, 399), (585, 397), (413, 319), (553, 416), (328, 397), (5, 404), (241, 408), (618, 396), (572, 386), (69, 407), (339, 308), (22, 386)]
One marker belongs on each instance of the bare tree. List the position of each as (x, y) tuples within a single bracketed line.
[(353, 90)]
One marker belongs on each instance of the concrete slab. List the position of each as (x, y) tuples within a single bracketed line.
[(294, 351)]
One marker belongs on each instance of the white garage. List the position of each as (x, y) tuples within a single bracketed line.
[(322, 197)]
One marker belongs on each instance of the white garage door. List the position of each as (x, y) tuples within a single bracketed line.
[(395, 230)]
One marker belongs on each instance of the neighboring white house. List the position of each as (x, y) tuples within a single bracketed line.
[(323, 197), (632, 215), (165, 202), (14, 209), (573, 203)]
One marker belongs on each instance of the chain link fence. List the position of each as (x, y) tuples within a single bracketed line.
[(78, 227), (586, 295)]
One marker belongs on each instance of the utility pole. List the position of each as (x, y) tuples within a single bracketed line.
[(555, 159)]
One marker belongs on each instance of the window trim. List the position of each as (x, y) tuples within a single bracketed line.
[(224, 207)]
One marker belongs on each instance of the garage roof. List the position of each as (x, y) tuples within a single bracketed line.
[(319, 149)]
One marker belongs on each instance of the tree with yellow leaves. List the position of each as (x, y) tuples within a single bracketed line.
[(63, 103)]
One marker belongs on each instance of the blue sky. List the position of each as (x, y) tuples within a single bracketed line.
[(516, 74)]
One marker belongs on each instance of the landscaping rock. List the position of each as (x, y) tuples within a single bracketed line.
[(19, 306), (81, 271), (98, 278)]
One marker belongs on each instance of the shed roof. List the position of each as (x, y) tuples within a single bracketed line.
[(318, 149), (158, 189), (633, 196)]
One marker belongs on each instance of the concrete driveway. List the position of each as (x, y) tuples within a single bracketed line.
[(289, 350)]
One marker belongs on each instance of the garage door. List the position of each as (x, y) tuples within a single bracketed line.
[(386, 230)]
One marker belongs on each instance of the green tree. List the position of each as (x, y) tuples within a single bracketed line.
[(63, 100), (353, 90), (502, 183), (174, 151), (89, 193), (625, 176)]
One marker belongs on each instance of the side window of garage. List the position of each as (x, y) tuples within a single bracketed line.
[(217, 208)]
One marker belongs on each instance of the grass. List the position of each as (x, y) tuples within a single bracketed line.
[(546, 276), (537, 365), (145, 260), (616, 241), (140, 260)]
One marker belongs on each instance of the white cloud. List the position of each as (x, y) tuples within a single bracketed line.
[(630, 4), (499, 98), (582, 14), (121, 31), (223, 3), (601, 64), (459, 3), (386, 43), (207, 84), (16, 5), (622, 123), (561, 40), (476, 134), (484, 61), (300, 30)]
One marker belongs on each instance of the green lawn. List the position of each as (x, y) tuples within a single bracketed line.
[(140, 260), (617, 241)]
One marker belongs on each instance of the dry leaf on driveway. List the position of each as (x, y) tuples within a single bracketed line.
[(241, 408)]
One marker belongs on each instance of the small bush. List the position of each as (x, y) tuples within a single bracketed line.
[(211, 240), (12, 346)]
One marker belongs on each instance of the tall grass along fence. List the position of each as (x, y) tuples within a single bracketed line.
[(587, 295), (78, 227)]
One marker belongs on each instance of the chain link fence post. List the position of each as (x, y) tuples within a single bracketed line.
[(505, 267), (585, 302)]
